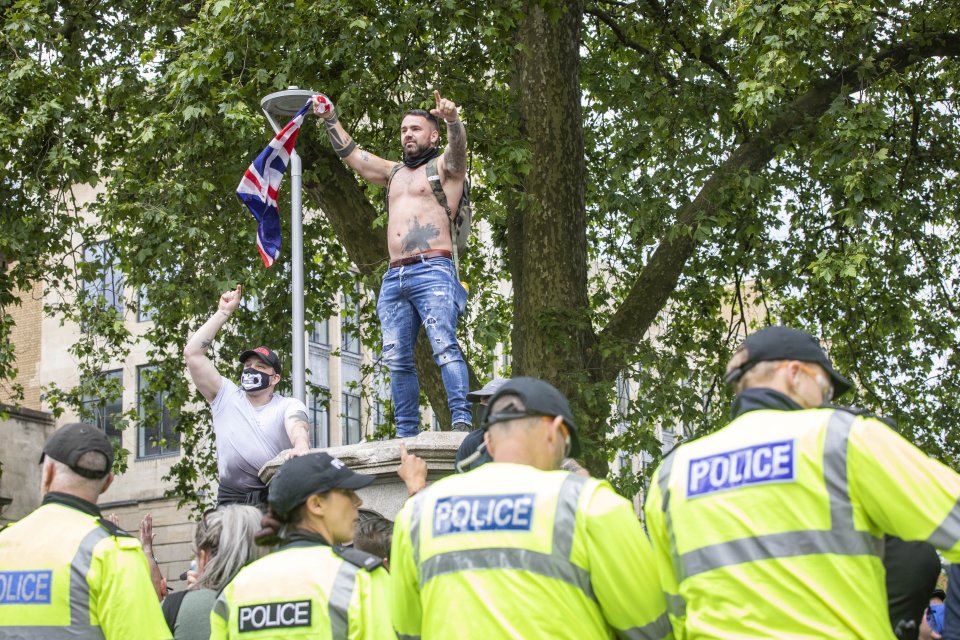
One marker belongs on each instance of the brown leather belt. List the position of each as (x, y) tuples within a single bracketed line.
[(420, 257)]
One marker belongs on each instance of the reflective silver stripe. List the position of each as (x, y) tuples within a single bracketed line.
[(835, 470), (947, 535), (663, 481), (79, 568), (73, 632), (840, 539), (339, 603), (565, 519), (549, 566), (415, 527), (404, 636), (676, 605), (659, 628), (221, 608), (780, 545)]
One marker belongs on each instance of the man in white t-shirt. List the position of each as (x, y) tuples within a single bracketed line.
[(251, 423)]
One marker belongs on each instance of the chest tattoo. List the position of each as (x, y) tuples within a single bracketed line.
[(419, 236)]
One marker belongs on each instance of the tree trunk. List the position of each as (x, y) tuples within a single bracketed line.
[(547, 222)]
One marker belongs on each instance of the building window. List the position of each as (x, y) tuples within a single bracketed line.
[(103, 410), (320, 419), (320, 334), (101, 278), (623, 394), (349, 321), (379, 413), (350, 418), (144, 312), (156, 435)]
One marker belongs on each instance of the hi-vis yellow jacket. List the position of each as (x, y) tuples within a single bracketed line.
[(65, 573), (772, 527), (306, 590), (508, 551)]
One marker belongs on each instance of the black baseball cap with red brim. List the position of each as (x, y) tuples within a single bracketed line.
[(268, 356)]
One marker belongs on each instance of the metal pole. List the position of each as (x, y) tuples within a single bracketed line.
[(296, 239), (286, 103)]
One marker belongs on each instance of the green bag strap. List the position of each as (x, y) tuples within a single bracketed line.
[(393, 172), (433, 177)]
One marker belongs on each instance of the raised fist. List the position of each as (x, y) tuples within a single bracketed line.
[(322, 106), (230, 300)]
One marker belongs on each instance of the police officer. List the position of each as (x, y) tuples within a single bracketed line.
[(310, 586), (65, 571), (518, 549), (773, 526)]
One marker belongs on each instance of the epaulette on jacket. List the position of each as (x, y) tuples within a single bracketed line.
[(358, 558), (113, 529)]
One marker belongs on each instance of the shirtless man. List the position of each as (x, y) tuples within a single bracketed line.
[(421, 285)]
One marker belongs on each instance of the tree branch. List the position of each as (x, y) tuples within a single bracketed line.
[(658, 279), (608, 20)]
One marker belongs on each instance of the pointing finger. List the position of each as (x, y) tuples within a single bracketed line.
[(436, 94), (403, 451)]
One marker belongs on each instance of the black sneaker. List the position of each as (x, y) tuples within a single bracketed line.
[(462, 426)]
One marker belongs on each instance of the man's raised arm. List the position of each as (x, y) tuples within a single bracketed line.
[(453, 164), (371, 168), (205, 375)]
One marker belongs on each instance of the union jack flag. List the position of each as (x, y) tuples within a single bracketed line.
[(261, 183)]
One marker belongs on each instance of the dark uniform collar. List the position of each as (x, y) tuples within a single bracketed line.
[(67, 500), (760, 398), (302, 538)]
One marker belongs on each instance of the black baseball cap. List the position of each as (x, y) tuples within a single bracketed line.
[(539, 399), (269, 356), (71, 441), (304, 476), (784, 343)]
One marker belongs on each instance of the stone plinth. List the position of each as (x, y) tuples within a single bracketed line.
[(382, 457)]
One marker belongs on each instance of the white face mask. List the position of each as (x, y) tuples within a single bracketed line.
[(252, 380)]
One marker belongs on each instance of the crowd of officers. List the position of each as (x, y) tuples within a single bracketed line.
[(771, 527)]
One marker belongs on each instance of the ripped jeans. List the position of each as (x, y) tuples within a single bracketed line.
[(426, 293)]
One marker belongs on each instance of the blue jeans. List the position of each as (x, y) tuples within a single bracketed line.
[(426, 293)]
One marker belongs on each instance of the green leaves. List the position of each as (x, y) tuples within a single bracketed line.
[(712, 128)]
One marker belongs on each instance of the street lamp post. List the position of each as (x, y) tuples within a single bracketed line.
[(284, 105)]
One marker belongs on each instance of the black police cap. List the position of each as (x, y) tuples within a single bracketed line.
[(784, 343), (304, 476), (71, 441), (539, 399)]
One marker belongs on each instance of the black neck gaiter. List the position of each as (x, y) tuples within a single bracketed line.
[(420, 159)]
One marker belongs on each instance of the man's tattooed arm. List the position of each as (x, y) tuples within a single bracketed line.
[(342, 143), (455, 156), (370, 167)]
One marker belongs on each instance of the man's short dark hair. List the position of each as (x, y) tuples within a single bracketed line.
[(374, 535), (423, 113)]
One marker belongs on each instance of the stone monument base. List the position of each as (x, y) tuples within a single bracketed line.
[(381, 458)]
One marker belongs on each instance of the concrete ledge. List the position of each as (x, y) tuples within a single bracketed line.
[(31, 415), (381, 459)]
